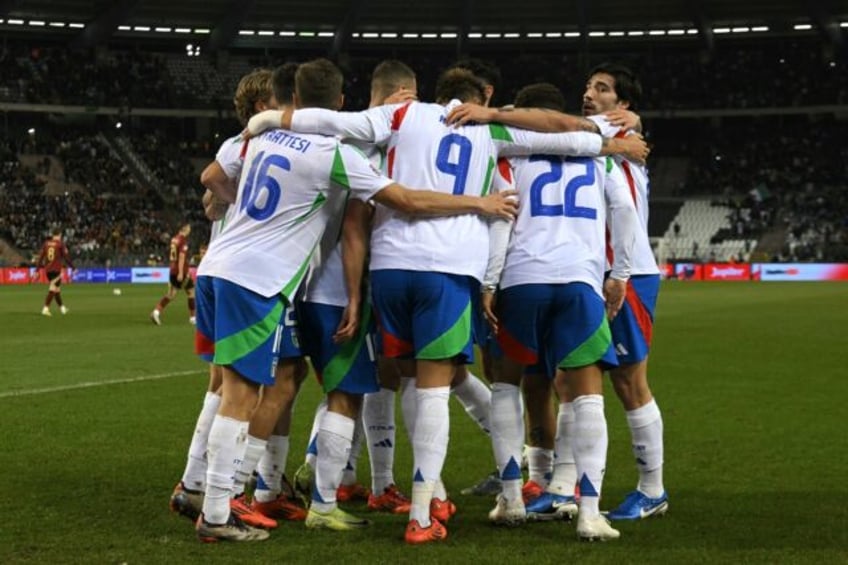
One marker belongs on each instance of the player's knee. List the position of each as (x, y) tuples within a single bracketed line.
[(344, 403), (631, 385)]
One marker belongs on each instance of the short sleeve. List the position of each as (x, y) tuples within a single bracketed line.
[(229, 157), (352, 171)]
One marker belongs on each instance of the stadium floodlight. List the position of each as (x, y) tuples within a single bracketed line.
[(141, 28), (118, 125), (120, 28), (721, 30), (691, 31), (553, 34), (635, 33), (2, 20), (410, 36), (37, 23), (31, 131), (265, 32), (429, 35), (512, 35), (802, 27), (475, 35), (246, 32), (287, 34), (656, 32), (572, 34), (202, 30), (493, 35), (306, 34), (355, 35), (534, 35), (450, 35), (843, 24), (162, 30), (760, 28), (182, 30), (616, 34), (741, 29), (388, 35), (370, 35), (15, 22), (326, 34), (76, 25), (597, 34), (63, 24), (676, 31)]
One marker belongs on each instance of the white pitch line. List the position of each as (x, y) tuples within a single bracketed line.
[(92, 384)]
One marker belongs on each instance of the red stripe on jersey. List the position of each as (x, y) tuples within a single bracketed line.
[(393, 346), (516, 350), (244, 149), (627, 172), (630, 181), (399, 115), (643, 317), (505, 170), (390, 159), (202, 344)]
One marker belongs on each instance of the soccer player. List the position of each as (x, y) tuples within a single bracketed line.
[(179, 278), (253, 94), (391, 82), (52, 258), (552, 280), (421, 286), (249, 277), (614, 90)]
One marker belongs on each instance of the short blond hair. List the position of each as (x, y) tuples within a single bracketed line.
[(255, 86)]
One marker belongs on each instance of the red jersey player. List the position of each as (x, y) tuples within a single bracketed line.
[(179, 277), (54, 255)]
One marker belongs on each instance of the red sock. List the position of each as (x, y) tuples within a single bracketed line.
[(191, 306), (58, 298), (162, 303), (49, 298)]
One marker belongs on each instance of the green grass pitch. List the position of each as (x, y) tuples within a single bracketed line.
[(751, 379)]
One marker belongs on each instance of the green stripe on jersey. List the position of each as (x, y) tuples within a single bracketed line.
[(290, 288), (234, 347), (609, 164), (338, 174), (590, 351), (487, 182), (499, 131), (316, 205), (452, 342), (340, 364)]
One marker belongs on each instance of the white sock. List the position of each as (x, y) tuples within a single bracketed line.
[(564, 476), (507, 436), (334, 439), (540, 464), (439, 490), (349, 474), (429, 447), (378, 419), (646, 431), (311, 447), (271, 468), (407, 405), (590, 449), (194, 476), (255, 450), (227, 444), (476, 398)]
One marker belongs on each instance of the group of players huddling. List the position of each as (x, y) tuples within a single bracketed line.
[(475, 225)]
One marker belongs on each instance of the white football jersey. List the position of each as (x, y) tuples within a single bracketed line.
[(424, 153), (281, 210), (636, 175), (230, 160), (560, 233)]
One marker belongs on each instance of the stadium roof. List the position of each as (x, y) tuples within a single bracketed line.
[(250, 22)]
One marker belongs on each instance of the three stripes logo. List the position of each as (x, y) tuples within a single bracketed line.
[(387, 443)]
